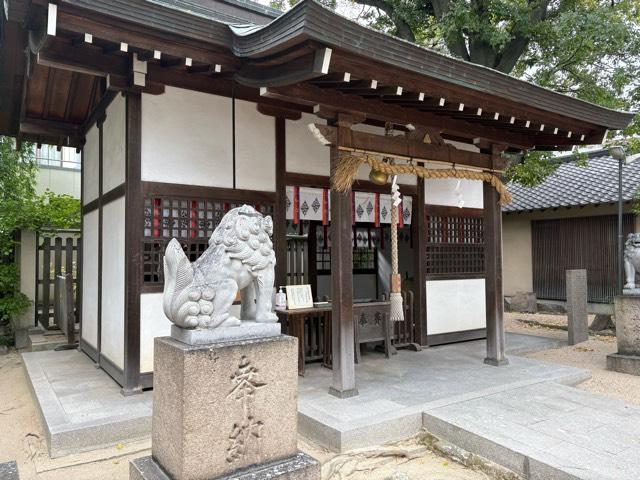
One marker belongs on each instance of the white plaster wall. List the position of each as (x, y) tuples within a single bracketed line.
[(255, 148), (90, 164), (442, 191), (113, 144), (304, 153), (113, 275), (186, 138), (153, 323), (455, 305), (90, 279)]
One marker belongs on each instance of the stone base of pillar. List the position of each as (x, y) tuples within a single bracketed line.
[(353, 392), (298, 467), (627, 315), (495, 362), (629, 364)]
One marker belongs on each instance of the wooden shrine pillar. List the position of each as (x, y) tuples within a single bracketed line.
[(280, 207), (419, 233), (344, 379), (493, 268)]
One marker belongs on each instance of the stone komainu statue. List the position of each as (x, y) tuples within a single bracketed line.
[(631, 259), (240, 257)]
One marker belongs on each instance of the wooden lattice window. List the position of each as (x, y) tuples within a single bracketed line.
[(365, 253), (190, 220), (455, 245)]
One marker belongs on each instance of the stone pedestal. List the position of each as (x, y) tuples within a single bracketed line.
[(577, 318), (225, 410), (627, 314)]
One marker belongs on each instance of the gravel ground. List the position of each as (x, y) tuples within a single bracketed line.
[(591, 355)]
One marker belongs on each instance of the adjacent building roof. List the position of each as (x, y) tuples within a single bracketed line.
[(573, 186)]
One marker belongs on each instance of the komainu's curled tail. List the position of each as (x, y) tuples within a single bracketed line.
[(178, 278)]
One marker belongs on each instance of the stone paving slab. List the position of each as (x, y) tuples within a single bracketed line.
[(546, 430), (80, 406), (395, 392)]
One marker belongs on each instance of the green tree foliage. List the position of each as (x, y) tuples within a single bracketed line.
[(21, 208)]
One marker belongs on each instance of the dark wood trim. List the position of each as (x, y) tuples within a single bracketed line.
[(320, 181), (197, 191), (91, 206), (278, 112), (79, 259), (455, 276), (99, 111), (134, 231), (88, 349), (152, 288), (454, 337), (419, 233), (114, 194), (447, 211), (493, 270), (100, 125), (112, 370), (280, 207)]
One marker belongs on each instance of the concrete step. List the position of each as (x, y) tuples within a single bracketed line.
[(546, 431), (43, 340)]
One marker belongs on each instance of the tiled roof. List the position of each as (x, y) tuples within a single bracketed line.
[(572, 186)]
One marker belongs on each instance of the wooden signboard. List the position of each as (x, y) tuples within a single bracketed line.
[(299, 296)]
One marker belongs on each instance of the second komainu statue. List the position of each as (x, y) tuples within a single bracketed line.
[(240, 257)]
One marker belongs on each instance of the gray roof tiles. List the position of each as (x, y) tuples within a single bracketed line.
[(572, 186)]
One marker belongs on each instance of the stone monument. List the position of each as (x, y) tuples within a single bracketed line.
[(225, 388), (577, 317), (627, 314)]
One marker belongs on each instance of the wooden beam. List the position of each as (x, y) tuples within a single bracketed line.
[(320, 181), (278, 112), (493, 268), (36, 126), (312, 65), (373, 108), (403, 147), (87, 59)]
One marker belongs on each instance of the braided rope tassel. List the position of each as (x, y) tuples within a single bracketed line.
[(396, 308)]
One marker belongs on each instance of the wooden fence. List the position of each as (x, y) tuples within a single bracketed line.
[(58, 254), (588, 243)]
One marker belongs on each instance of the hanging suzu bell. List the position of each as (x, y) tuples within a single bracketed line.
[(378, 177)]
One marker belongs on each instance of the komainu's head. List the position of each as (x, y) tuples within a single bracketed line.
[(246, 236)]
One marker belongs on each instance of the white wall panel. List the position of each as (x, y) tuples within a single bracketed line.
[(113, 144), (153, 323), (443, 191), (304, 153), (90, 164), (90, 279), (455, 305), (255, 149), (186, 138), (113, 276)]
